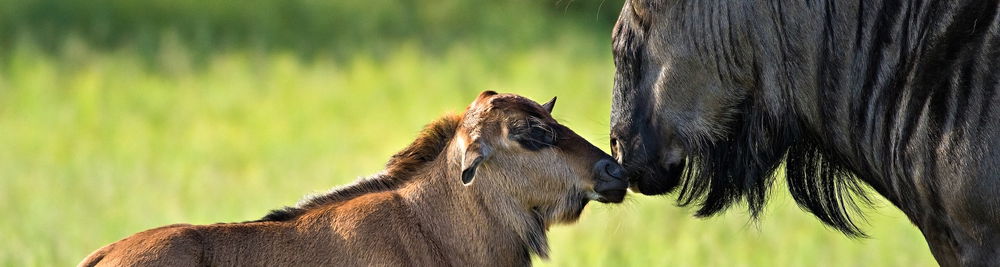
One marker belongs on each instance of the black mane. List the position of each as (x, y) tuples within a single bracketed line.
[(744, 164), (398, 171)]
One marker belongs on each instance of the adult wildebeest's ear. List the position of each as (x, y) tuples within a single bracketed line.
[(550, 105), (475, 153)]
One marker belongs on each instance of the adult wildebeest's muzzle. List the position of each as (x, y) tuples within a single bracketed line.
[(610, 183), (646, 167)]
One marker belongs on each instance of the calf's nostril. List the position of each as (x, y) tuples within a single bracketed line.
[(614, 170)]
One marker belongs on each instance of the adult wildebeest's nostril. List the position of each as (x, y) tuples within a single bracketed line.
[(610, 184)]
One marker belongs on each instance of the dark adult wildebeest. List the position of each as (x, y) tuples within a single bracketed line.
[(712, 96), (424, 210)]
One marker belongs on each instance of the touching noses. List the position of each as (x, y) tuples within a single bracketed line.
[(611, 183)]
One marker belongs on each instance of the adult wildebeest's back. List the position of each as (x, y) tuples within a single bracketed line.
[(711, 96)]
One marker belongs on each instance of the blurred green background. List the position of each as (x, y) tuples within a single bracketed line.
[(121, 115)]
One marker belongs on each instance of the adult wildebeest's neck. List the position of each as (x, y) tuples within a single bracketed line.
[(861, 72), (865, 50), (882, 90), (828, 71)]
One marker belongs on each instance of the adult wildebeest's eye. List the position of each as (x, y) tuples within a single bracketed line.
[(532, 134)]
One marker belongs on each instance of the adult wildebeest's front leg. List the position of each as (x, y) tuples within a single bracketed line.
[(965, 235), (955, 195), (965, 230)]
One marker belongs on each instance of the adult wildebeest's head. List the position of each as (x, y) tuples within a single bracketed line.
[(525, 154), (677, 89), (694, 107)]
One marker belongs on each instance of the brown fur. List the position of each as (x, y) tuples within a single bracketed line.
[(416, 212), (428, 145)]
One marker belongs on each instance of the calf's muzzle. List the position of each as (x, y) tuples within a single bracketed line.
[(611, 183)]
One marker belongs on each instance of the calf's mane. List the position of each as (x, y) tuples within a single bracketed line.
[(398, 171)]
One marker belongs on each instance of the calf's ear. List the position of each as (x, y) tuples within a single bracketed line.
[(550, 105), (475, 153)]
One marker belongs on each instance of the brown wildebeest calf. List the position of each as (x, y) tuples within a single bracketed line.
[(473, 190)]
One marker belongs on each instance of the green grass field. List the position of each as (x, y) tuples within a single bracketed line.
[(118, 116), (96, 145)]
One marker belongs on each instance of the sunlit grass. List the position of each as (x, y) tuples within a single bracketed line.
[(95, 146)]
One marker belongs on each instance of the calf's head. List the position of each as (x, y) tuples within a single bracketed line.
[(511, 146)]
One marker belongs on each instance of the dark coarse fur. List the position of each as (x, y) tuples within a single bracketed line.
[(900, 96), (722, 173), (428, 145)]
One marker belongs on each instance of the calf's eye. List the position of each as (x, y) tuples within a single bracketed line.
[(534, 136)]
